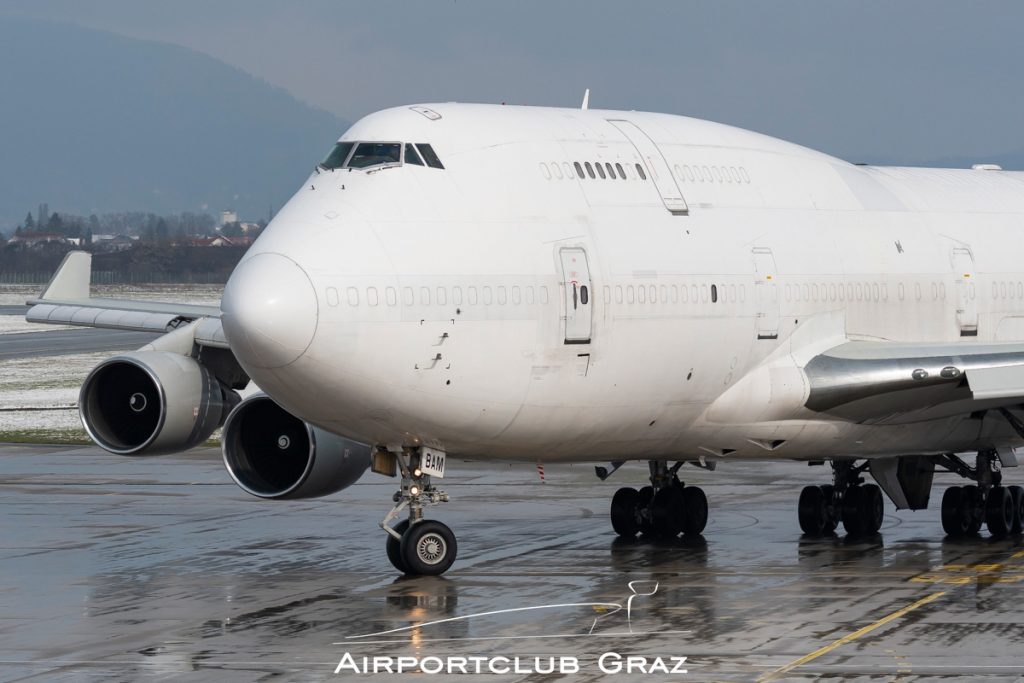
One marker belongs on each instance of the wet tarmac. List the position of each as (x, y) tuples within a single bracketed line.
[(122, 569), (13, 309)]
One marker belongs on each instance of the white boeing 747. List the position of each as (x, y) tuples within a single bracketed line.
[(575, 285)]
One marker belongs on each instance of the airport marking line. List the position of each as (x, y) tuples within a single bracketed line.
[(849, 638), (984, 573)]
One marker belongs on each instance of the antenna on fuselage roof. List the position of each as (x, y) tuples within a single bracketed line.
[(586, 100)]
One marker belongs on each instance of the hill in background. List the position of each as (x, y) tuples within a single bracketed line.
[(96, 122)]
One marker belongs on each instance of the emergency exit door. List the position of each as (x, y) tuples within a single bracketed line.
[(577, 293), (657, 168), (966, 301), (766, 293)]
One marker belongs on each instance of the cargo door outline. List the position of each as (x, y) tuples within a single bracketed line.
[(966, 299), (577, 295), (766, 293), (657, 167)]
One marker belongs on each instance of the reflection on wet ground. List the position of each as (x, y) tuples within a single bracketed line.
[(118, 569)]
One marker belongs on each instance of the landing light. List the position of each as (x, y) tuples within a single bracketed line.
[(417, 472), (414, 490)]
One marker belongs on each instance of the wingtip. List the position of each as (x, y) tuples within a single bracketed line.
[(72, 279)]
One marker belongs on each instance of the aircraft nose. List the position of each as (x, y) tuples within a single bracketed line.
[(269, 311)]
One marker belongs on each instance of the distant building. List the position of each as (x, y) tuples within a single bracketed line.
[(228, 216), (217, 241), (33, 239), (107, 244)]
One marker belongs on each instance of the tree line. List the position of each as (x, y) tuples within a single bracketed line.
[(154, 256), (148, 226)]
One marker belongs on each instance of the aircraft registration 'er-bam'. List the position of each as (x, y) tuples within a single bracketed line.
[(577, 285)]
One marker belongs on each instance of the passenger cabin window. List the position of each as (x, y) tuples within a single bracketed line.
[(429, 156), (338, 155), (640, 171), (622, 174), (600, 170), (369, 154), (579, 169), (590, 169), (412, 156)]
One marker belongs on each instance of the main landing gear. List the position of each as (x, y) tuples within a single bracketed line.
[(416, 545), (966, 508), (665, 508), (849, 500)]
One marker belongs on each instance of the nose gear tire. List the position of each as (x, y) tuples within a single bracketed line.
[(394, 547), (428, 548)]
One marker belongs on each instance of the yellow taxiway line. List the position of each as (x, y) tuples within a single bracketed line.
[(849, 638)]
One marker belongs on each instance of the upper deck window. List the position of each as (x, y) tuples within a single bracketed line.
[(375, 153)]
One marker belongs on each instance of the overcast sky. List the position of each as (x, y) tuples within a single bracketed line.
[(908, 81)]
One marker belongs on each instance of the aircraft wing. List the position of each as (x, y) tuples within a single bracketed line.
[(819, 373), (883, 382), (66, 301)]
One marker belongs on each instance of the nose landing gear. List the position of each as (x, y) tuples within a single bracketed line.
[(666, 508), (416, 545)]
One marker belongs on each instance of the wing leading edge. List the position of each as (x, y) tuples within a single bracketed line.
[(66, 300), (875, 382)]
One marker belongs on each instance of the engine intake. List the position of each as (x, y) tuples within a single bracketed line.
[(152, 402), (270, 453)]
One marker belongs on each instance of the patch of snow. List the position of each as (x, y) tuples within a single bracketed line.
[(16, 324)]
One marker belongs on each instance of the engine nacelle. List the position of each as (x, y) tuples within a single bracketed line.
[(271, 453), (152, 402)]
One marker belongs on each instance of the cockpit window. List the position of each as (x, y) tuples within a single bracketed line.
[(338, 155), (411, 155), (429, 156), (375, 154), (370, 154)]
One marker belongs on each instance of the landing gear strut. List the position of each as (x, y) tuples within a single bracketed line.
[(416, 545), (857, 505), (665, 508), (966, 508)]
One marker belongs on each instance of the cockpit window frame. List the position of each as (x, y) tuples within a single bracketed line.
[(382, 164), (423, 155), (344, 162), (406, 149), (426, 151)]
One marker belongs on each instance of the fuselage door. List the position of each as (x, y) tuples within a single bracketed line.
[(578, 297), (966, 301), (766, 294), (657, 168)]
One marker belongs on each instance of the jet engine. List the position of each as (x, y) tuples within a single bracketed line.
[(152, 402), (271, 453)]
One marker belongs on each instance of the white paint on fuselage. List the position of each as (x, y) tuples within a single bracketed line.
[(440, 301)]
